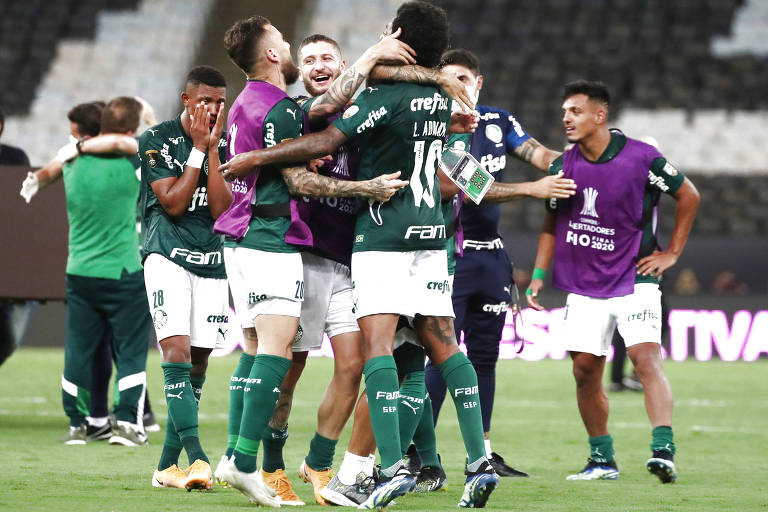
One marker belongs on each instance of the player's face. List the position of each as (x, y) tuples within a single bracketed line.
[(212, 97), (473, 83), (74, 130), (581, 117), (287, 67), (320, 64)]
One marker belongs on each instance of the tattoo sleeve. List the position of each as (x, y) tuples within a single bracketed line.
[(337, 95), (535, 153), (526, 150), (502, 192), (301, 182), (409, 73)]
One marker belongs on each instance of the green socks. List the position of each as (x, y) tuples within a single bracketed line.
[(321, 451), (381, 387), (236, 385), (424, 438), (410, 406), (261, 389), (601, 448), (182, 408), (663, 440), (171, 446), (461, 381), (273, 441)]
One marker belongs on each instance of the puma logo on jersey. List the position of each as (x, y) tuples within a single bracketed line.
[(172, 395), (293, 113)]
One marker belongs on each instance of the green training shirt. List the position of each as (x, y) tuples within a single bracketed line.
[(401, 127), (188, 241), (101, 194)]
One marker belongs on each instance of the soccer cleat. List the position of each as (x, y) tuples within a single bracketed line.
[(127, 434), (387, 489), (431, 478), (172, 476), (663, 466), (150, 423), (479, 486), (338, 493), (199, 476), (76, 435), (101, 433), (319, 479), (282, 485), (412, 460), (596, 471), (501, 467), (250, 484), (217, 478)]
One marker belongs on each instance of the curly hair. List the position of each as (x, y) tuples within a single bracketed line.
[(425, 29), (241, 40)]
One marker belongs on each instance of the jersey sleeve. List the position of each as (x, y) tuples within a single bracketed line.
[(369, 111), (664, 176), (459, 141), (555, 167), (284, 122), (516, 135), (156, 162), (305, 102)]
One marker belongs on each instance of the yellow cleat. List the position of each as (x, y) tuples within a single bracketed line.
[(199, 476), (319, 480), (172, 476), (278, 481)]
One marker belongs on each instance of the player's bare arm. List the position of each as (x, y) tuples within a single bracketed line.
[(536, 154), (549, 187), (448, 188), (110, 143), (389, 49), (544, 255), (174, 193), (301, 149), (300, 181), (464, 122), (219, 193), (421, 75), (687, 202)]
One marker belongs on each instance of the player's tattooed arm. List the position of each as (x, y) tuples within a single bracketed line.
[(302, 182), (338, 94), (420, 75), (554, 186), (536, 154)]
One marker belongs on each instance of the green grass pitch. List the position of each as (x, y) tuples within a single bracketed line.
[(721, 430)]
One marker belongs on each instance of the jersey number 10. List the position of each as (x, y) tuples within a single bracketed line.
[(429, 166)]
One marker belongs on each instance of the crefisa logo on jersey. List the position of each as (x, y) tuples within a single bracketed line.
[(152, 155), (590, 198)]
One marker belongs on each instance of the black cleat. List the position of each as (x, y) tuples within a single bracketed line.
[(662, 465), (501, 467), (412, 460), (431, 478)]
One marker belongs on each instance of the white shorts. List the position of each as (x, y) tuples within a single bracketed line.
[(184, 304), (408, 334), (404, 283), (264, 283), (328, 307), (591, 321)]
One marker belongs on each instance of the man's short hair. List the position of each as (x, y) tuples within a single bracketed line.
[(87, 117), (592, 89), (242, 39), (425, 29), (121, 115), (320, 38), (461, 57), (207, 75)]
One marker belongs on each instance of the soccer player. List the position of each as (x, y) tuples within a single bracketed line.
[(405, 236), (263, 229), (184, 272), (105, 281), (606, 256), (484, 272)]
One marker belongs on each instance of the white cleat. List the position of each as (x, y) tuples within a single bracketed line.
[(224, 463), (250, 484)]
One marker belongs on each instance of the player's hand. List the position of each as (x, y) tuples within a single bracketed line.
[(200, 127), (384, 187), (655, 264), (29, 187), (218, 128), (456, 89), (318, 163), (391, 50), (464, 122), (554, 186), (532, 294), (240, 165)]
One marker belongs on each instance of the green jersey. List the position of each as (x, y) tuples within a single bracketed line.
[(283, 122), (400, 127), (461, 142), (101, 193), (189, 240)]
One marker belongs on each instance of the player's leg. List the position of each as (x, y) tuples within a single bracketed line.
[(409, 359), (98, 422)]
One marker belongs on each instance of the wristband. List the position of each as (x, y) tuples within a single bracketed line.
[(195, 158), (538, 273), (79, 146), (529, 292)]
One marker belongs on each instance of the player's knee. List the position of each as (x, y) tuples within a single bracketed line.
[(586, 372), (350, 367)]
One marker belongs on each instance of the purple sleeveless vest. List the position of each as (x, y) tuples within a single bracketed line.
[(598, 231), (245, 123)]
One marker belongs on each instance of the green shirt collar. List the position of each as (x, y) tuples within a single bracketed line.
[(618, 141)]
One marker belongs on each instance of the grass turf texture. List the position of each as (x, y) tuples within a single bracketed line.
[(721, 430)]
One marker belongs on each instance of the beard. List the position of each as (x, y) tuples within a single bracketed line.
[(290, 72)]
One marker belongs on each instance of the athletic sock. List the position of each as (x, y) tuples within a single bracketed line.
[(182, 408), (197, 382), (353, 465), (424, 438), (321, 451), (461, 381), (487, 444), (663, 440), (259, 398), (410, 406), (273, 441), (601, 448), (236, 385), (381, 387), (171, 446), (486, 387), (435, 387)]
